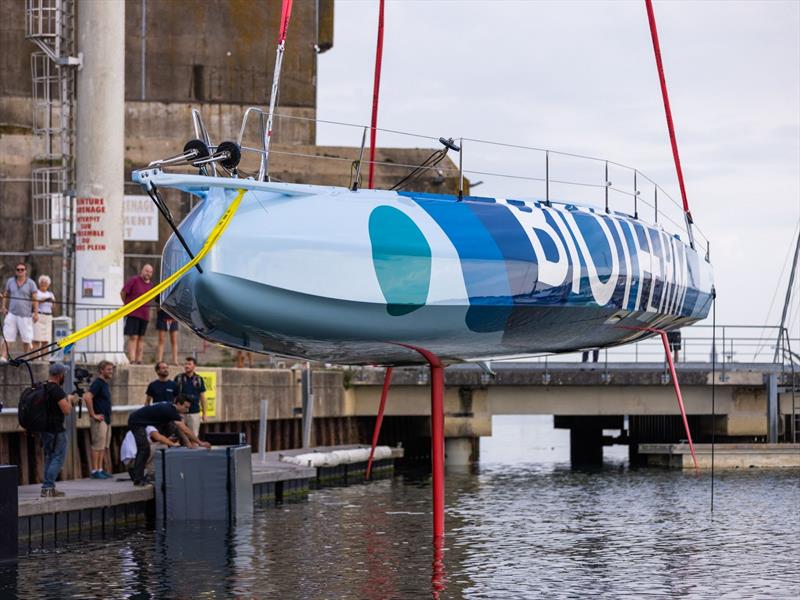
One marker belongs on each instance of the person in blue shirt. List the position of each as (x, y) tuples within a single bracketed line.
[(98, 403), (192, 385), (162, 389)]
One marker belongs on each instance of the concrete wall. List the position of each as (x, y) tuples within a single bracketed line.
[(216, 54), (209, 51), (741, 409)]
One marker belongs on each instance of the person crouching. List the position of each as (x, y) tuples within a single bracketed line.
[(127, 452), (158, 415)]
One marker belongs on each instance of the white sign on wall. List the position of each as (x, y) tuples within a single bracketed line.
[(140, 219)]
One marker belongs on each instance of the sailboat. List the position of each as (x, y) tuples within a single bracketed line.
[(349, 276)]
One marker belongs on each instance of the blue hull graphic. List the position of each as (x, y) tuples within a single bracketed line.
[(338, 276)]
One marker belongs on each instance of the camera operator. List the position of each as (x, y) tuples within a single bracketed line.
[(54, 438)]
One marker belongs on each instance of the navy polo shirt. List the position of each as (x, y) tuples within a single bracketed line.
[(162, 391), (154, 415), (101, 398), (192, 387)]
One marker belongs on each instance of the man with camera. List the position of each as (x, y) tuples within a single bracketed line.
[(54, 437)]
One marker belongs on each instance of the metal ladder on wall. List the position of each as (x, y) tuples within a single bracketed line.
[(50, 25)]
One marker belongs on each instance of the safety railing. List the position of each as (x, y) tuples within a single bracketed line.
[(501, 169), (732, 344)]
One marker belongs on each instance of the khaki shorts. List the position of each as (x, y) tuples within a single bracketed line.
[(192, 421), (101, 435)]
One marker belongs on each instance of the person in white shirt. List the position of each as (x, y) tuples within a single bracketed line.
[(127, 452), (43, 327)]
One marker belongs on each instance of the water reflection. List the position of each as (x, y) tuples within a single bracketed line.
[(515, 529)]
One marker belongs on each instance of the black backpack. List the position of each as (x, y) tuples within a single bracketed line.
[(33, 412)]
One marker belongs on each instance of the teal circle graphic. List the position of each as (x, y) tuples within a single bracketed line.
[(402, 260)]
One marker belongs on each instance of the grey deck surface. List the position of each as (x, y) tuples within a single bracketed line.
[(96, 493), (82, 493)]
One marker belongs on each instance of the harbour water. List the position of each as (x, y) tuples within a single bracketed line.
[(521, 525)]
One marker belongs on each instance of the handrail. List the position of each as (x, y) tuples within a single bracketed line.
[(635, 178)]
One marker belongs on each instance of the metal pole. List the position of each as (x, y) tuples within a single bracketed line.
[(772, 408), (461, 170), (286, 13), (262, 430), (635, 197), (787, 299), (71, 421), (547, 177), (357, 176), (655, 201), (607, 186), (308, 405)]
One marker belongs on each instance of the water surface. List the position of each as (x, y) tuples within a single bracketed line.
[(522, 525)]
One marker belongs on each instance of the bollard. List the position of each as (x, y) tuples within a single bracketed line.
[(9, 514), (262, 431)]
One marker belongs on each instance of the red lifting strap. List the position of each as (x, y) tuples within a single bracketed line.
[(375, 90), (286, 13), (657, 49)]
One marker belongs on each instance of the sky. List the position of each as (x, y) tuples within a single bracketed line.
[(580, 77)]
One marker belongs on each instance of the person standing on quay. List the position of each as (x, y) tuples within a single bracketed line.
[(166, 324), (20, 310), (190, 384), (98, 403), (43, 327), (136, 322), (162, 389), (54, 439)]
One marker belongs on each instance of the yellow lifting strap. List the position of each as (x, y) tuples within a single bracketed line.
[(219, 228)]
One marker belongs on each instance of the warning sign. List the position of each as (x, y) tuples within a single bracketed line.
[(89, 232), (210, 379)]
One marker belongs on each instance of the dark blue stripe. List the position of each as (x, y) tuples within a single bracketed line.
[(514, 244), (482, 262), (658, 282), (619, 290), (634, 265)]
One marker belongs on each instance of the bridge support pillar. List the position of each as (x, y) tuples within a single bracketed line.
[(461, 451), (586, 437)]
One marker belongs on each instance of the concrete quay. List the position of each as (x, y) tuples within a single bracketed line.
[(726, 456), (98, 507)]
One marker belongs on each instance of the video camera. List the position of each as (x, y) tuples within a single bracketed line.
[(81, 377)]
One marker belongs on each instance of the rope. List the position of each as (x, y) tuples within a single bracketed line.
[(651, 17), (376, 87), (123, 311)]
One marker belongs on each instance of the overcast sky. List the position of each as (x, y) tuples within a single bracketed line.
[(581, 77)]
